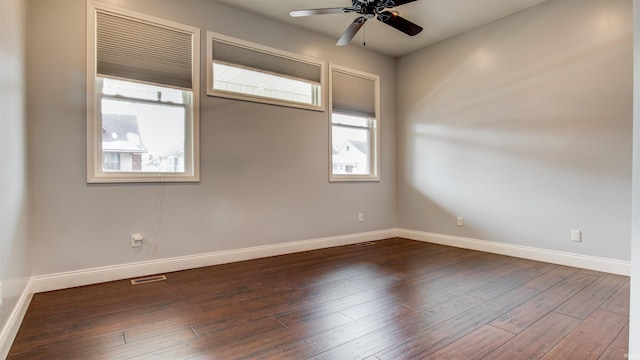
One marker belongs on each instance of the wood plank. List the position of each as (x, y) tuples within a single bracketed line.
[(508, 281), (66, 345), (619, 348), (372, 307), (175, 352), (622, 340), (591, 338), (383, 338), (457, 284), (591, 297), (473, 346), (614, 353), (538, 339), (528, 313), (298, 347), (618, 302), (338, 305), (223, 340), (552, 277), (433, 339)]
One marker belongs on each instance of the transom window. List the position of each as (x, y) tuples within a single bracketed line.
[(235, 79), (241, 70)]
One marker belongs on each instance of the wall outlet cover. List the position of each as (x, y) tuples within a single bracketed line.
[(576, 235)]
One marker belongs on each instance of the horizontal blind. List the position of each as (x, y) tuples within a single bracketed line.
[(352, 93), (137, 50), (260, 60)]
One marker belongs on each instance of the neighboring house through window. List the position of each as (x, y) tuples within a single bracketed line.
[(122, 146)]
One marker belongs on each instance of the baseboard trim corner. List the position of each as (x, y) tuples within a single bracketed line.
[(612, 266), (83, 277), (11, 327)]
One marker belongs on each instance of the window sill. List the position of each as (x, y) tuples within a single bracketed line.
[(354, 178), (115, 178)]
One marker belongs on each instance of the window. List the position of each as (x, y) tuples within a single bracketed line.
[(142, 98), (111, 160), (354, 125), (247, 71)]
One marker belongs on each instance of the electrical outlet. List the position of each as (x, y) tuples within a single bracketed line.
[(576, 235), (460, 221), (360, 217), (136, 240)]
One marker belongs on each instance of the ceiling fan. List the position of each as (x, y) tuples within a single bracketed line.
[(368, 9)]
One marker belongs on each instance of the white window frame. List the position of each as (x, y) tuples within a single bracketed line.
[(212, 36), (95, 172), (374, 166)]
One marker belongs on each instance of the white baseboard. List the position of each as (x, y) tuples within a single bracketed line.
[(556, 257), (11, 327), (118, 272)]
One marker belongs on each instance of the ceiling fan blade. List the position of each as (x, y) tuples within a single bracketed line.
[(394, 3), (399, 23), (326, 11), (351, 31)]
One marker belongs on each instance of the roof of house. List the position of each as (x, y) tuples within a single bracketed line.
[(363, 146), (120, 133)]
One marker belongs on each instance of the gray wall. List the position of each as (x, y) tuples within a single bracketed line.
[(523, 127), (15, 259), (264, 169)]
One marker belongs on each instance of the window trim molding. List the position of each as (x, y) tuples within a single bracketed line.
[(374, 174), (211, 36), (95, 174)]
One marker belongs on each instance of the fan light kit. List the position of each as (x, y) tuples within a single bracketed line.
[(368, 9)]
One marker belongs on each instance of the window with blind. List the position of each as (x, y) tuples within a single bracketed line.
[(355, 135), (142, 98), (246, 71)]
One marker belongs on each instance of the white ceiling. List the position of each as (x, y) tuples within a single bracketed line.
[(440, 19)]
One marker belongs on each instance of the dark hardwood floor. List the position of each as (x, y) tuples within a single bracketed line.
[(392, 299)]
